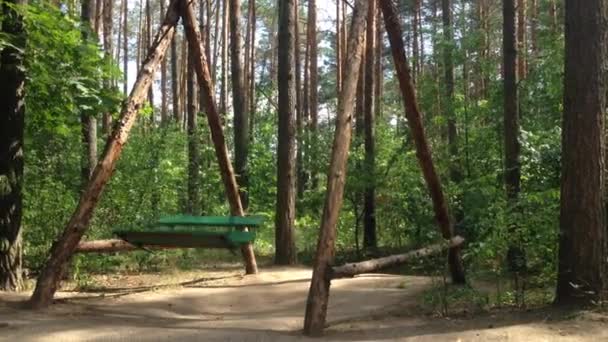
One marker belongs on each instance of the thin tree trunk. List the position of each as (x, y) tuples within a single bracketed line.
[(88, 122), (583, 239), (125, 46), (338, 49), (301, 172), (12, 109), (533, 29), (194, 200), (318, 296), (379, 70), (423, 151), (415, 46), (164, 114), (448, 62), (286, 179), (107, 47), (147, 46), (252, 95), (370, 240), (521, 39), (312, 41), (216, 41), (215, 126), (64, 247), (224, 73), (239, 100)]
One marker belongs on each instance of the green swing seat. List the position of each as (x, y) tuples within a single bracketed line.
[(185, 231)]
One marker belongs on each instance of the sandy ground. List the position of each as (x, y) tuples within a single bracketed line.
[(225, 306)]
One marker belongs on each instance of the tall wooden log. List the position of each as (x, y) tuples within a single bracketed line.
[(318, 296), (64, 247), (215, 125), (423, 151)]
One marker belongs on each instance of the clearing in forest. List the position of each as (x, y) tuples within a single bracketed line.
[(223, 305)]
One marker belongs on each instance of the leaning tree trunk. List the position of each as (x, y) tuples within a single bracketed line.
[(370, 240), (582, 270), (318, 296), (12, 113), (239, 102), (64, 247), (423, 151), (215, 126), (286, 179)]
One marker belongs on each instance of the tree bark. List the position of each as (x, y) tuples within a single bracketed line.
[(12, 114), (582, 269), (177, 116), (318, 296), (312, 41), (64, 247), (125, 46), (215, 126), (423, 151), (370, 240), (193, 204), (373, 265), (285, 242), (448, 63), (107, 47), (164, 115), (147, 46), (338, 48), (88, 122), (239, 101), (521, 40), (224, 68)]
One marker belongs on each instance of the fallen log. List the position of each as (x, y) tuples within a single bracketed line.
[(372, 265), (105, 246)]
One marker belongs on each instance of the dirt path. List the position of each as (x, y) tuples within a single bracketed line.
[(225, 306)]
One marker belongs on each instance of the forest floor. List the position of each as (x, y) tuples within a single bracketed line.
[(223, 305)]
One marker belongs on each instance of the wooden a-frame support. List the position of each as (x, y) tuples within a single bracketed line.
[(323, 272), (63, 249)]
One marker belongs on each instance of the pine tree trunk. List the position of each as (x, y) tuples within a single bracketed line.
[(582, 270), (318, 296), (175, 83), (423, 151), (338, 48), (286, 179), (521, 39), (125, 46), (63, 248), (252, 96), (370, 240), (12, 114), (88, 122), (224, 68), (415, 46), (215, 126), (301, 172), (107, 47), (194, 200), (164, 114), (147, 45), (448, 62), (379, 70), (313, 91), (239, 101)]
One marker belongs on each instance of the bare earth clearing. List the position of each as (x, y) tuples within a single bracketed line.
[(225, 306)]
